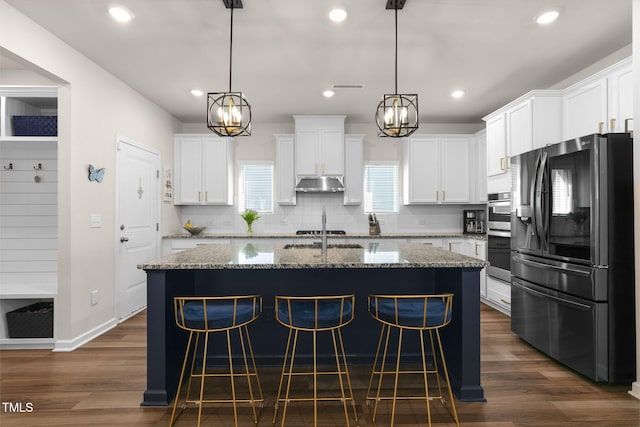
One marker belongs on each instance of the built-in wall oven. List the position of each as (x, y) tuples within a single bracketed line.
[(499, 236)]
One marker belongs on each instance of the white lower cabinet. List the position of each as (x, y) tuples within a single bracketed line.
[(498, 295), (173, 246)]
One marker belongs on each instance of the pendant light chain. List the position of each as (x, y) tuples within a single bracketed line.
[(229, 113), (230, 46), (397, 114), (396, 9)]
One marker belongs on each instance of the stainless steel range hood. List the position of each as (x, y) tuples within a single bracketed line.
[(319, 184)]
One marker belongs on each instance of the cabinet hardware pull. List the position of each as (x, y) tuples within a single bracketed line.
[(626, 125), (206, 196), (505, 301), (501, 163), (600, 127), (477, 250), (323, 169), (506, 162), (612, 124), (437, 198), (449, 246), (198, 196), (443, 196)]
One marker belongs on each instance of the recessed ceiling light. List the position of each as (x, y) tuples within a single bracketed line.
[(547, 17), (121, 13), (338, 15), (459, 93), (328, 93), (197, 92)]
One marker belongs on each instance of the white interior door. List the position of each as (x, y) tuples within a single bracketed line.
[(137, 223)]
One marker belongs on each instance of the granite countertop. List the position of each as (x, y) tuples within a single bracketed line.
[(269, 255)]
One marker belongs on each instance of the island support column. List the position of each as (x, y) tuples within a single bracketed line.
[(461, 338)]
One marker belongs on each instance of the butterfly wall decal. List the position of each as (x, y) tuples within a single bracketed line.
[(96, 174)]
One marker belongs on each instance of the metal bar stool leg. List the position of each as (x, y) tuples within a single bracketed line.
[(453, 411), (184, 367), (340, 381), (425, 373), (284, 364), (290, 374), (346, 370)]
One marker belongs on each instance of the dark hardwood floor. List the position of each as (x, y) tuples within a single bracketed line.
[(102, 384)]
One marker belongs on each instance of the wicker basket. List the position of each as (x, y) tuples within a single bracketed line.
[(35, 125)]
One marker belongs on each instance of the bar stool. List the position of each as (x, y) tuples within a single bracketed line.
[(315, 314), (202, 316), (421, 313)]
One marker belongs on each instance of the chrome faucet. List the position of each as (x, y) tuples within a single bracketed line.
[(324, 231)]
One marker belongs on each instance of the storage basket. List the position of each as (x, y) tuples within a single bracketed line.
[(32, 321), (35, 125)]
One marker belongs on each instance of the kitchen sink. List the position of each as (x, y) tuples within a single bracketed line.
[(318, 245)]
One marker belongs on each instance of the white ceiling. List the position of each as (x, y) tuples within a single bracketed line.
[(286, 52)]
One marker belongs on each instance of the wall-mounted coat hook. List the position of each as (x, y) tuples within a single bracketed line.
[(10, 168), (37, 168)]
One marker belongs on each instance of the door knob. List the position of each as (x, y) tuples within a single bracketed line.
[(124, 239)]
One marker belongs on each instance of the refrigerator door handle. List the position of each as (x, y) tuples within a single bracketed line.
[(551, 266), (573, 304), (539, 180)]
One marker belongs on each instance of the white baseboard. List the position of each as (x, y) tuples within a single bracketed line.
[(70, 345), (635, 390)]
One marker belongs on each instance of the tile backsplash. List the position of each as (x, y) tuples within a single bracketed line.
[(307, 214)]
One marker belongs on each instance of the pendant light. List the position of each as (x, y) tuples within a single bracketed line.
[(229, 113), (397, 114)]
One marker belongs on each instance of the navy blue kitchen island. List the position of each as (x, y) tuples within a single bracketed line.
[(267, 269)]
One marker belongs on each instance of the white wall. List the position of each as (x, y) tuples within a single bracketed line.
[(94, 107)]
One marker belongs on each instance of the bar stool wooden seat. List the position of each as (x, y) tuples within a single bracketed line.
[(314, 314), (202, 316), (421, 313)]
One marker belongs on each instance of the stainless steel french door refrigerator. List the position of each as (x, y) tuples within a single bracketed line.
[(572, 262)]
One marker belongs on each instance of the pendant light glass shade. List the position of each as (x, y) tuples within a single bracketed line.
[(229, 113), (397, 114)]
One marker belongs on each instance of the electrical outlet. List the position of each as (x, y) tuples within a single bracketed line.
[(94, 297)]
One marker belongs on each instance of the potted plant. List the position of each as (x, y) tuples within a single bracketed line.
[(249, 215)]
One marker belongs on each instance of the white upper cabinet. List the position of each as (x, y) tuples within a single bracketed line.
[(529, 122), (601, 103), (436, 169), (496, 145), (480, 154), (319, 145), (203, 170), (285, 170), (353, 169)]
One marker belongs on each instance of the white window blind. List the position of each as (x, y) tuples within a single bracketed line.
[(256, 187), (380, 188)]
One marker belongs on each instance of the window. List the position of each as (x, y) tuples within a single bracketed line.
[(381, 187), (255, 189)]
